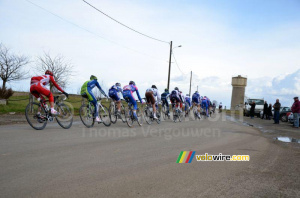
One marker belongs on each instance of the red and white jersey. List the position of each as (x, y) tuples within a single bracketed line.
[(44, 80)]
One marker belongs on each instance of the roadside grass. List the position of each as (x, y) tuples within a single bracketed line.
[(17, 104)]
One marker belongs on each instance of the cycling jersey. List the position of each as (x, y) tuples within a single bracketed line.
[(196, 98), (165, 95), (188, 100), (155, 92), (128, 94), (174, 96), (114, 92), (38, 86)]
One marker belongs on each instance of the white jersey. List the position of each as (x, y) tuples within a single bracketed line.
[(181, 95), (155, 92)]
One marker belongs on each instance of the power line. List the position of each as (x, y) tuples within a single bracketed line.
[(177, 64), (95, 34), (123, 23)]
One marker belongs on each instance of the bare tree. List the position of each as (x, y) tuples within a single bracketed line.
[(62, 69), (12, 66)]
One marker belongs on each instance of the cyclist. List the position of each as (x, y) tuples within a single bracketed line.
[(220, 107), (188, 103), (114, 93), (174, 96), (38, 88), (151, 95), (128, 95), (196, 101), (86, 92), (164, 99), (204, 105)]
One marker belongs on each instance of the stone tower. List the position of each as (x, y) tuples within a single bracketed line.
[(239, 84)]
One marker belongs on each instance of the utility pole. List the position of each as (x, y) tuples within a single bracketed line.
[(191, 82), (170, 65)]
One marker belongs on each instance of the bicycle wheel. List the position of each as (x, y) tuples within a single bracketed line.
[(112, 111), (123, 118), (128, 116), (164, 111), (158, 115), (36, 120), (175, 116), (147, 115), (105, 115), (65, 117), (86, 113), (139, 116)]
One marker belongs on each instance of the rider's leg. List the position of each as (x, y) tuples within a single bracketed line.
[(93, 100)]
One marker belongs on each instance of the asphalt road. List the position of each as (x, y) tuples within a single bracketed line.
[(141, 162)]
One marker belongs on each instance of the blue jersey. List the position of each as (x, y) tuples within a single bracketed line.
[(196, 98), (118, 89), (164, 95), (94, 83)]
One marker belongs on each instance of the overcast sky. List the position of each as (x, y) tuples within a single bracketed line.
[(220, 39)]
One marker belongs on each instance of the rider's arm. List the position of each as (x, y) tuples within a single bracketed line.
[(99, 87), (138, 94), (55, 84), (158, 96)]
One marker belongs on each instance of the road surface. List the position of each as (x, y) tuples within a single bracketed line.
[(141, 162)]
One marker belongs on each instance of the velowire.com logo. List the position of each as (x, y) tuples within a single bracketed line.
[(187, 157)]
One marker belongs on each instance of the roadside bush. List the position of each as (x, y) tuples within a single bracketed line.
[(5, 93)]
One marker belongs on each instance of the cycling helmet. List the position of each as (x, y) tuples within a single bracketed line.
[(132, 82), (187, 94), (176, 88), (196, 91), (93, 77), (153, 86), (118, 84), (49, 72), (166, 90)]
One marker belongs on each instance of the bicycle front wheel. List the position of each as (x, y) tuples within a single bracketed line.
[(105, 115), (112, 111), (147, 115), (65, 117), (128, 116), (86, 115), (140, 117)]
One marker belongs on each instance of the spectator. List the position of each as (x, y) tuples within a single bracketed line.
[(276, 107), (296, 112), (270, 111), (252, 109), (265, 112)]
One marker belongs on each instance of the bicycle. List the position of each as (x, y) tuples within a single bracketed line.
[(197, 115), (149, 114), (176, 113), (87, 114), (165, 111), (203, 113), (129, 114), (38, 114), (114, 113), (188, 109)]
